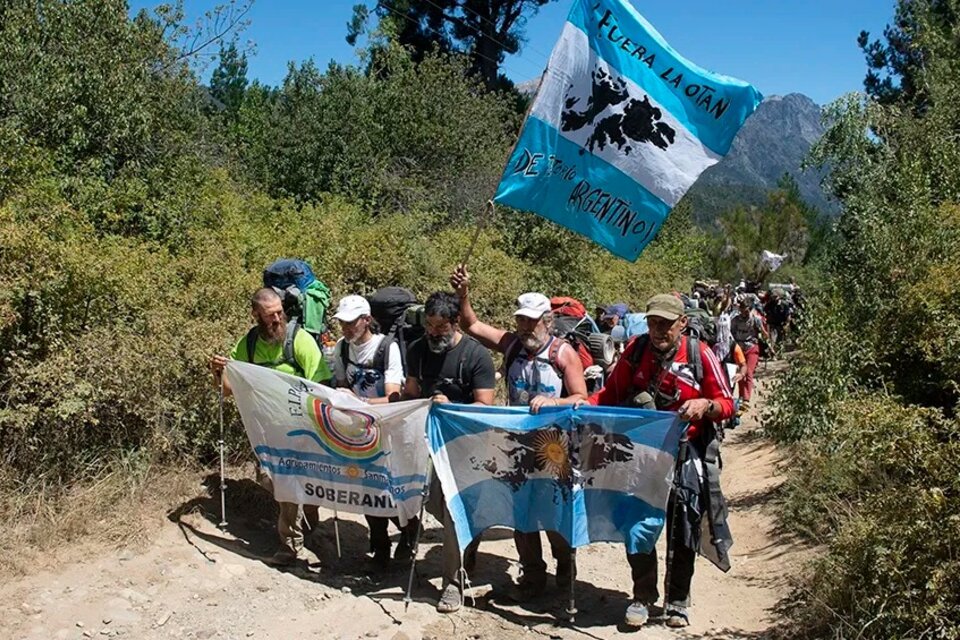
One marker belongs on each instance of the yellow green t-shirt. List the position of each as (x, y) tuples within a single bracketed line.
[(305, 352)]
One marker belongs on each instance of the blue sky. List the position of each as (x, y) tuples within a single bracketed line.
[(780, 46)]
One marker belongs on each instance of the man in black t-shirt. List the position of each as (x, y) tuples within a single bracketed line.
[(448, 366)]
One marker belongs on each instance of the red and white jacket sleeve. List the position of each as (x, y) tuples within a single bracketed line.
[(715, 385)]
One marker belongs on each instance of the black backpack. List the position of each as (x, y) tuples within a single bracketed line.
[(401, 319)]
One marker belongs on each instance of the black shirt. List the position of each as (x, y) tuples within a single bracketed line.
[(454, 373)]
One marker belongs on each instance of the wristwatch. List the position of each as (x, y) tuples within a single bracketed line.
[(711, 408)]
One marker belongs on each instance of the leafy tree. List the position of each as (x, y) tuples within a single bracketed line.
[(486, 30)]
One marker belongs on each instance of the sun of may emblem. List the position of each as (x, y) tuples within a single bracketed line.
[(551, 450)]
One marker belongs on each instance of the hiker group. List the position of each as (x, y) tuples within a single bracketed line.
[(683, 353)]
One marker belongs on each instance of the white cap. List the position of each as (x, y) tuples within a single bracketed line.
[(532, 305), (351, 308)]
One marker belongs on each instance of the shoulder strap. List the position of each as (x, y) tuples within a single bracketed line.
[(344, 354), (289, 357), (695, 358), (251, 343), (639, 346), (381, 359), (553, 354)]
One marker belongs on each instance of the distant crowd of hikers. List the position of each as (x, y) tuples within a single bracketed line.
[(684, 352)]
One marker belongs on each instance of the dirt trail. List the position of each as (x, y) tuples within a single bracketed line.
[(193, 581)]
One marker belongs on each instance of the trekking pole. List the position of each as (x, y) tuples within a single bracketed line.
[(223, 483), (675, 515), (572, 607), (336, 532), (488, 210), (416, 538)]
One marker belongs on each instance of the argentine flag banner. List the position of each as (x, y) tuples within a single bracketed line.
[(621, 127), (329, 448), (592, 474)]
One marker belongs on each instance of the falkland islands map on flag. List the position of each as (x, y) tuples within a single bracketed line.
[(327, 447), (621, 128), (592, 474)]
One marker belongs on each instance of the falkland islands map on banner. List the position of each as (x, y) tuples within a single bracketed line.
[(592, 474), (620, 129), (327, 447)]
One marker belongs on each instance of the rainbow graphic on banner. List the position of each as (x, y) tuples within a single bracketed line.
[(346, 433)]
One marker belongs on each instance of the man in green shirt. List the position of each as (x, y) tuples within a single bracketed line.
[(272, 345)]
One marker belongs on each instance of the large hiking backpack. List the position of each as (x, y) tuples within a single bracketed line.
[(563, 306), (702, 325), (592, 346), (400, 316), (634, 324), (305, 299)]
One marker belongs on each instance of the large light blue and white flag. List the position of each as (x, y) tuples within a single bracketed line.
[(621, 127), (592, 474), (327, 447)]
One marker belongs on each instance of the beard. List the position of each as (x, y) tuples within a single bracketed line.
[(534, 341), (439, 344), (272, 333)]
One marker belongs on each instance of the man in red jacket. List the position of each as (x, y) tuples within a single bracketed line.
[(668, 371)]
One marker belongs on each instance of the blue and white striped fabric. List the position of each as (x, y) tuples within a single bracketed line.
[(621, 127), (592, 474)]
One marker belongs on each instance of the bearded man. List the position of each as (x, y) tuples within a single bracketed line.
[(447, 366), (541, 370), (278, 345)]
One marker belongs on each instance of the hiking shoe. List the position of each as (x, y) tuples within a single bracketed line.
[(451, 599), (529, 588), (637, 615), (677, 617), (282, 558)]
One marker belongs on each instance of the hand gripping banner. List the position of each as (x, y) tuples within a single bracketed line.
[(326, 447), (621, 127), (591, 474)]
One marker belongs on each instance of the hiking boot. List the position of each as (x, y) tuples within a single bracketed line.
[(529, 588), (677, 617), (637, 615), (451, 599), (282, 558)]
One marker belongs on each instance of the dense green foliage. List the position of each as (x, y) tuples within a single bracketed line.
[(873, 399), (137, 210)]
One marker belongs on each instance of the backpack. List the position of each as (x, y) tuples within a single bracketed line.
[(305, 299), (287, 356), (381, 357), (701, 325), (568, 307), (401, 318), (634, 324), (569, 328)]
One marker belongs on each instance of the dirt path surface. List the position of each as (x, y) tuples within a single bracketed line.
[(194, 581)]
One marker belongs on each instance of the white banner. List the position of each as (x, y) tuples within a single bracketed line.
[(327, 447)]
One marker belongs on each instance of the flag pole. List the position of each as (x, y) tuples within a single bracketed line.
[(336, 532), (489, 209)]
